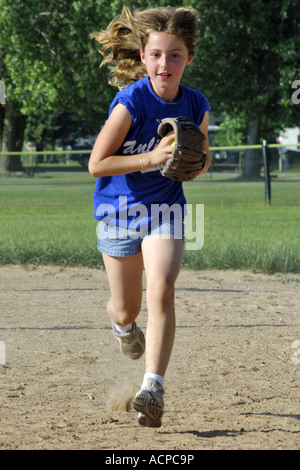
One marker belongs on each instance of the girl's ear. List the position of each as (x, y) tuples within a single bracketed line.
[(142, 56), (190, 60)]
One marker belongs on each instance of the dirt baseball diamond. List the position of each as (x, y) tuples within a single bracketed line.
[(232, 383)]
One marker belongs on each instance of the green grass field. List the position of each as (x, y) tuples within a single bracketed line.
[(48, 219)]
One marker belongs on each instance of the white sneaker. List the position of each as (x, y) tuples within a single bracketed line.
[(150, 404), (132, 344)]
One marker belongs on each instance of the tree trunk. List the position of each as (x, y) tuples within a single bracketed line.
[(12, 138), (252, 161)]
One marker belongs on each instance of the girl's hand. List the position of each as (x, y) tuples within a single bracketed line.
[(161, 153)]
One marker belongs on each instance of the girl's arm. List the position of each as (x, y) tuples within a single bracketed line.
[(204, 129), (103, 159)]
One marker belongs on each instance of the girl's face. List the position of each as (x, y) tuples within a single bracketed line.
[(165, 58)]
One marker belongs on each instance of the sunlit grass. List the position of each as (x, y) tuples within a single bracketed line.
[(48, 219)]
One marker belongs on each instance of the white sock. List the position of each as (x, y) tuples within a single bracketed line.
[(157, 377), (121, 330)]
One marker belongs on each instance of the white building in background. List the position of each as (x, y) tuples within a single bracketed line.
[(288, 137)]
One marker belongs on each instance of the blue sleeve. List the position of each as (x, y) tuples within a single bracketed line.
[(203, 106), (133, 110)]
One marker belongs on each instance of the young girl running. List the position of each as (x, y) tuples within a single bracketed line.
[(147, 52)]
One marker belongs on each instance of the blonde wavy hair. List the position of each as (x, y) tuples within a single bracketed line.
[(128, 33)]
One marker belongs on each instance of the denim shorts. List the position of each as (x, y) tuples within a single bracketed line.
[(118, 241)]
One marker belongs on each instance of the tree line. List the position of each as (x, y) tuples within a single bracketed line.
[(247, 60)]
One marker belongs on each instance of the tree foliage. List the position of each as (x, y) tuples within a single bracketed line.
[(248, 59), (50, 65)]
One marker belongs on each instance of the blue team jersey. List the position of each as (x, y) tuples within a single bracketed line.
[(148, 186)]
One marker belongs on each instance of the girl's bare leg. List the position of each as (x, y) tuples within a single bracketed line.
[(162, 261), (125, 281)]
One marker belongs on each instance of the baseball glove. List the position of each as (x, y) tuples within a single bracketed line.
[(188, 152)]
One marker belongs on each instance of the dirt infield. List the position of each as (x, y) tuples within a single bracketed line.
[(233, 380)]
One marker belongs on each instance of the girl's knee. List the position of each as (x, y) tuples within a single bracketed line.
[(122, 315), (160, 292)]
